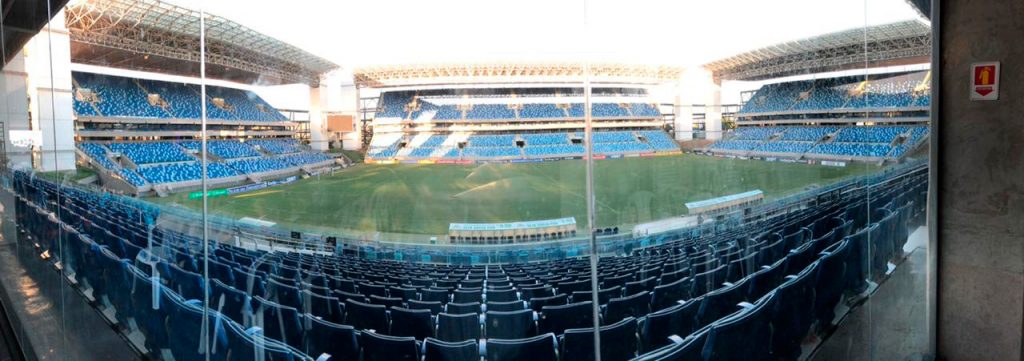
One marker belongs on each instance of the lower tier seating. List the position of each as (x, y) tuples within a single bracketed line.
[(167, 161), (751, 292), (548, 144)]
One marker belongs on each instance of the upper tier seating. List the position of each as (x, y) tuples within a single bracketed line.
[(151, 152), (608, 110), (538, 145), (129, 97), (490, 111), (117, 96), (498, 104), (787, 274), (755, 133), (225, 149), (644, 110), (276, 146), (893, 90), (850, 141), (541, 111), (813, 134), (874, 134)]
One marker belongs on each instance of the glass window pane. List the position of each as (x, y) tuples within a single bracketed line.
[(237, 179)]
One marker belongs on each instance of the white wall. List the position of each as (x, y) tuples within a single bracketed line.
[(49, 85), (14, 109)]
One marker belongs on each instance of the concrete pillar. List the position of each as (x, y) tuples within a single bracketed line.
[(684, 117), (14, 110), (49, 76), (980, 167), (318, 137), (713, 112), (348, 100)]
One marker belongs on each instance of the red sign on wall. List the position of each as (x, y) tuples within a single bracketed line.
[(985, 81)]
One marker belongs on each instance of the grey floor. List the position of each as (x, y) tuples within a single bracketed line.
[(892, 324), (53, 321)]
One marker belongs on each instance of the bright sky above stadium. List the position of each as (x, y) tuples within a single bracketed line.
[(672, 32)]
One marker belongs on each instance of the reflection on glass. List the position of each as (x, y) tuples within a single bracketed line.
[(418, 195)]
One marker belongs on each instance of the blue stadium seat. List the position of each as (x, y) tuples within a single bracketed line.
[(635, 305), (378, 347), (365, 316), (412, 323), (680, 319), (682, 349), (325, 337), (666, 295), (506, 306), (328, 308), (509, 325), (746, 335), (831, 280), (557, 319), (538, 303), (458, 327), (793, 313), (437, 350), (618, 342), (720, 303), (460, 308), (234, 304), (538, 348), (278, 322)]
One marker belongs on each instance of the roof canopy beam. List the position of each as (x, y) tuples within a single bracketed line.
[(836, 51), (152, 27)]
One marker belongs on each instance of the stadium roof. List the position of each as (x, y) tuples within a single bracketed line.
[(899, 43), (157, 36), (511, 73)]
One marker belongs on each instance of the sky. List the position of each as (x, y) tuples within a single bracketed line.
[(670, 32)]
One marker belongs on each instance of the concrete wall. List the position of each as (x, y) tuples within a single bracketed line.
[(981, 185)]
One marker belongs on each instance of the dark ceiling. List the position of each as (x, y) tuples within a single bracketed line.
[(22, 19)]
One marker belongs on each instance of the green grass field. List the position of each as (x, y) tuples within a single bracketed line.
[(424, 199)]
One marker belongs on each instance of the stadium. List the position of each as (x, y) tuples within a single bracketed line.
[(492, 210)]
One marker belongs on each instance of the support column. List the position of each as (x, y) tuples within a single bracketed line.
[(318, 139), (713, 114), (349, 105), (979, 168), (684, 116), (49, 76), (14, 111)]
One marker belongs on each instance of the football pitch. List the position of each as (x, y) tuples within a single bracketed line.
[(424, 199)]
